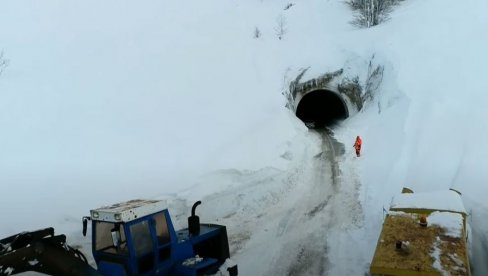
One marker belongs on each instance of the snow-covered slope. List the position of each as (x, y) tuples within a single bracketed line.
[(103, 102)]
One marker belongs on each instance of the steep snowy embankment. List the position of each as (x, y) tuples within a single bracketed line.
[(426, 129)]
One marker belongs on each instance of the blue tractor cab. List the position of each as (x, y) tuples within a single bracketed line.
[(137, 237)]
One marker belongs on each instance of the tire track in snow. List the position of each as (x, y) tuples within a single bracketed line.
[(344, 211), (278, 222), (326, 205)]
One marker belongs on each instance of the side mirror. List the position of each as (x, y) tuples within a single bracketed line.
[(85, 223)]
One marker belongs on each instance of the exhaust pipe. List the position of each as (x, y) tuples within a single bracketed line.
[(194, 221)]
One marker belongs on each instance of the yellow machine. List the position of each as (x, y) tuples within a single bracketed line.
[(423, 234)]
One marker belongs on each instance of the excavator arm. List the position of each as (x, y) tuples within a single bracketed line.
[(43, 252)]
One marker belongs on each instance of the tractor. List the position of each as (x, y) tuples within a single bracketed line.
[(135, 237)]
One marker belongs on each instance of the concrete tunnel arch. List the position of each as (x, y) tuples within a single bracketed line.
[(320, 108)]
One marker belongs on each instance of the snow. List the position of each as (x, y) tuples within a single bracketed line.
[(33, 262), (175, 100), (438, 200), (436, 254), (452, 223)]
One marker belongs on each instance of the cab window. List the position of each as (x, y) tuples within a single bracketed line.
[(162, 228), (141, 236)]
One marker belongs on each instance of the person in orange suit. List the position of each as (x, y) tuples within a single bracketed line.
[(357, 146)]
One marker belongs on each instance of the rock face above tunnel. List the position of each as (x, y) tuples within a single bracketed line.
[(324, 100)]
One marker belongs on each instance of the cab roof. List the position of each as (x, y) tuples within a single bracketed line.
[(448, 200), (127, 211)]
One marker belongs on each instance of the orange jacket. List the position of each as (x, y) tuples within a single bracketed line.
[(358, 142)]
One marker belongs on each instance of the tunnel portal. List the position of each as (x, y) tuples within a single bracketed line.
[(321, 108)]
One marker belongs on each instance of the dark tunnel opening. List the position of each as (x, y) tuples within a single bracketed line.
[(321, 108)]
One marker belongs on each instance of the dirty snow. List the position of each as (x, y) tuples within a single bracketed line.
[(436, 254)]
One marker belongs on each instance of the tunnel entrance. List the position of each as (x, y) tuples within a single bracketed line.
[(321, 108)]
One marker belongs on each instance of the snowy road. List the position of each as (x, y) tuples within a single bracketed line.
[(320, 207), (281, 222)]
